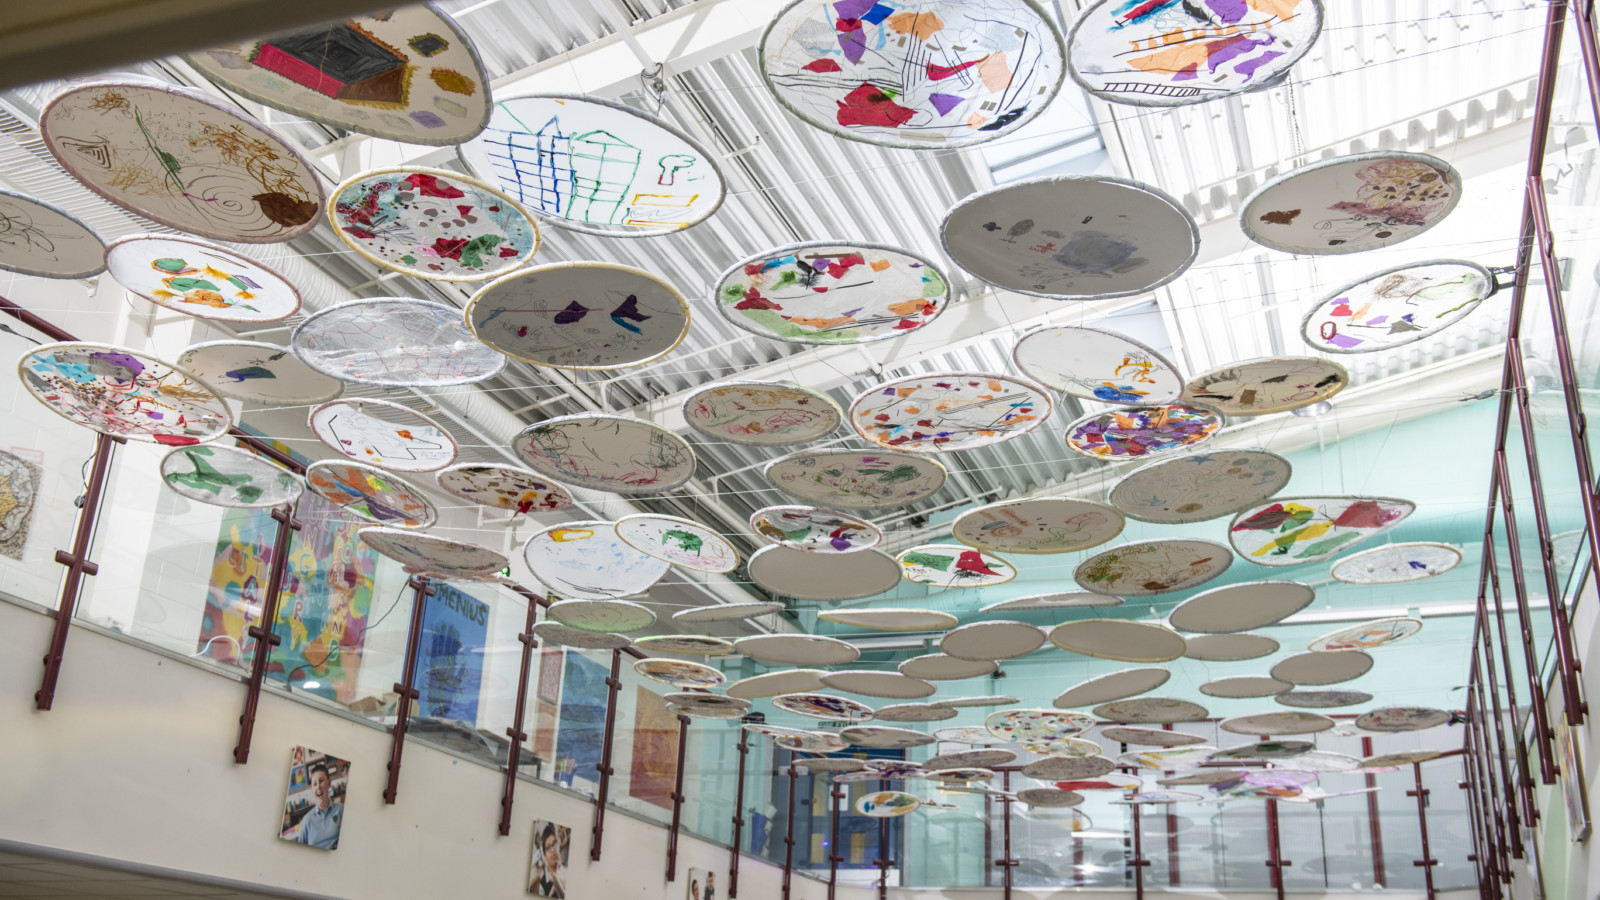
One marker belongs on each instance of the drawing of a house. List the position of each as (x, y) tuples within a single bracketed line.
[(604, 167)]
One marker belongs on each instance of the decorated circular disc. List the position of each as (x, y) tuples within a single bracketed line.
[(1141, 432), (846, 576), (762, 414), (680, 673), (503, 487), (706, 712), (394, 342), (1275, 723), (988, 641), (812, 742), (894, 769), (1160, 797), (811, 528), (1241, 607), (1069, 600), (1119, 639), (1396, 306), (408, 75), (1352, 203), (885, 737), (915, 712), (1111, 781), (1170, 760), (1323, 699), (798, 649), (432, 224), (1398, 758), (123, 393), (1367, 635), (618, 616), (1145, 710), (823, 706), (923, 75), (371, 493), (1037, 725), (432, 554), (384, 434), (856, 479), (264, 373), (1095, 364), (1320, 761), (1072, 237), (604, 452), (1266, 750), (1395, 563), (724, 612), (1200, 486), (688, 644), (950, 565), (701, 700), (596, 166), (1258, 387), (1206, 776), (586, 560), (785, 681), (1402, 718), (967, 734), (943, 667), (1167, 55), (1323, 667), (983, 700), (542, 316), (778, 731), (1038, 525), (830, 764), (201, 279), (1068, 768), (887, 804), (681, 542), (1243, 686), (964, 775), (1230, 647), (44, 240), (832, 293), (228, 476), (1294, 530), (1146, 568), (567, 636), (949, 411), (873, 683), (887, 619), (1049, 797), (1150, 737), (182, 159), (965, 759), (1115, 686)]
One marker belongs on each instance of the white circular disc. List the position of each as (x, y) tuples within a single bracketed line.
[(762, 414), (1203, 777), (1111, 781), (1320, 761), (1351, 203), (1391, 564), (795, 737), (897, 769), (704, 712), (1398, 758), (873, 683), (604, 452), (1037, 725), (394, 342), (680, 673), (1142, 432), (1115, 686), (949, 411), (433, 555), (682, 542), (785, 681), (797, 649), (688, 644), (991, 641), (965, 775), (915, 712), (885, 737), (967, 734), (371, 493), (889, 619), (1038, 525), (383, 434), (1323, 699), (1069, 600), (1259, 387), (1119, 639), (1266, 750), (201, 279), (943, 667), (969, 759), (503, 487), (985, 700), (1095, 364), (1145, 710), (1402, 718), (1244, 686), (856, 479), (1170, 760), (702, 700), (887, 804), (1075, 748), (1160, 797), (1200, 486), (818, 530), (1147, 568), (789, 572), (1068, 768), (1368, 635), (264, 373), (823, 706), (1325, 667), (1241, 607), (46, 241), (1229, 647), (1150, 737), (1049, 797), (586, 560), (218, 475), (620, 616), (1276, 723), (724, 612), (124, 393), (1396, 306), (567, 636), (830, 764), (953, 566)]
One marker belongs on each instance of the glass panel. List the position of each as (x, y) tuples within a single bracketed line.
[(709, 779), (644, 752)]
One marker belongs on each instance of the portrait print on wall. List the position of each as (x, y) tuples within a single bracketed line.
[(552, 848), (313, 810), (702, 884)]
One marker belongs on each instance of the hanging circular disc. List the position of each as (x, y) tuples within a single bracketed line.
[(1325, 667), (1320, 761), (1275, 723), (220, 475), (702, 700), (811, 528), (1200, 486), (1074, 748), (943, 667), (46, 241), (856, 479), (371, 493), (725, 612), (1119, 639), (586, 560), (1266, 750), (884, 737), (1368, 635), (886, 804), (1398, 758), (915, 712), (1245, 686), (1402, 718), (682, 542), (829, 764), (1069, 600), (123, 393), (823, 706), (1229, 647), (873, 683), (200, 279), (618, 616), (1259, 387), (1111, 781), (946, 412), (264, 373), (604, 452), (958, 776), (1150, 737), (1068, 768), (989, 641), (1038, 525), (1323, 699), (1096, 364), (790, 572), (762, 414), (1141, 432), (394, 342), (984, 700), (680, 673), (1241, 607), (953, 566), (383, 434), (811, 742), (1171, 760), (1396, 306), (1394, 563), (968, 734), (688, 644), (1115, 686), (1351, 203), (703, 712), (503, 487), (431, 554), (1072, 237), (894, 769), (1145, 710), (797, 649), (1203, 777), (785, 681), (966, 759), (1159, 797), (1049, 797), (1147, 568), (1037, 725), (566, 636), (887, 619)]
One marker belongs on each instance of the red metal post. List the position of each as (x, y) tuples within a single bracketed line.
[(516, 732), (406, 688), (788, 836), (266, 638), (743, 748), (883, 850), (614, 687), (1536, 699), (1524, 776), (835, 795), (78, 565), (1379, 874), (1006, 862), (1139, 862), (677, 799), (1427, 862), (1275, 862)]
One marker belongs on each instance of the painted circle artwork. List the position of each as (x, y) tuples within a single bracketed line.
[(1241, 607), (200, 279), (596, 166), (890, 619), (394, 342), (1119, 639), (965, 775), (1397, 563), (1038, 525), (823, 706), (408, 75), (431, 554), (1147, 710), (1266, 750), (873, 683), (689, 644), (1322, 667), (887, 738), (617, 616), (707, 712), (1368, 635), (1070, 748), (182, 159), (503, 487), (580, 315), (1113, 686), (384, 434), (1068, 600), (923, 74), (1275, 723), (915, 712), (967, 734), (1140, 432), (123, 393), (963, 759), (1095, 364), (1207, 776), (818, 530), (586, 560), (1398, 758), (1146, 568), (952, 565), (263, 373), (1231, 647), (1396, 306), (699, 700), (944, 667), (809, 741), (947, 412), (44, 240), (1049, 797), (1259, 387), (798, 650), (1402, 718), (856, 479), (1320, 761), (567, 636), (1323, 699), (887, 804), (1068, 767), (370, 493), (725, 612), (607, 453), (1200, 486), (680, 673), (791, 572), (1177, 54), (783, 681), (1175, 759), (1150, 737), (681, 542), (760, 414), (228, 476), (1295, 530), (832, 293), (432, 224), (1072, 237), (1245, 686), (1037, 725), (1352, 203)]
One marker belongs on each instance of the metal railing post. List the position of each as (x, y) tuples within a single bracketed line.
[(743, 749), (1427, 862), (516, 732), (406, 688), (262, 630), (603, 794), (677, 798), (78, 565), (788, 836), (1006, 862)]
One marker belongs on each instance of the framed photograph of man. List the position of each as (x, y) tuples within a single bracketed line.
[(702, 884), (313, 810), (552, 848)]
